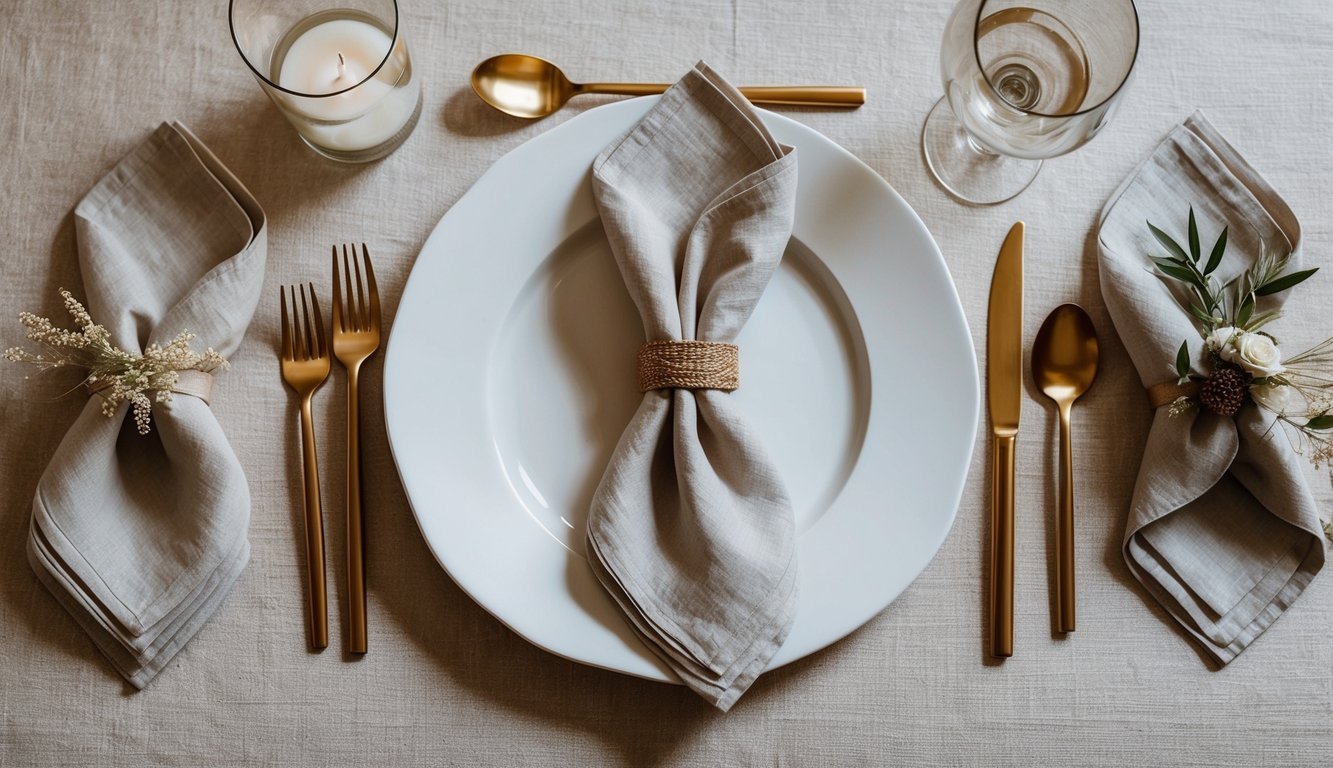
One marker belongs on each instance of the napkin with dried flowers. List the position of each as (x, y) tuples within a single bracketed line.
[(139, 525), (1222, 529)]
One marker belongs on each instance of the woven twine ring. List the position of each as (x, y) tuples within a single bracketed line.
[(672, 364)]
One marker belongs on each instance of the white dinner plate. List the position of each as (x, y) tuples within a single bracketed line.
[(510, 374)]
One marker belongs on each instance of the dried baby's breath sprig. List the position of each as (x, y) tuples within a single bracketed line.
[(118, 376), (1180, 406)]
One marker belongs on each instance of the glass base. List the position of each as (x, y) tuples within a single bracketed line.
[(966, 170), (376, 152)]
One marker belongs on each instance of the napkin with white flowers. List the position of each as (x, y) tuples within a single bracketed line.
[(691, 530), (141, 536), (1222, 530)]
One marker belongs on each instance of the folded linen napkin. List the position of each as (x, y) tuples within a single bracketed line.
[(1222, 529), (691, 529), (140, 537)]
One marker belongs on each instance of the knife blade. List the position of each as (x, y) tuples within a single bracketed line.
[(1004, 387)]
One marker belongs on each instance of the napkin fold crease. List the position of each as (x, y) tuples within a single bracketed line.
[(140, 537), (1222, 530), (691, 530)]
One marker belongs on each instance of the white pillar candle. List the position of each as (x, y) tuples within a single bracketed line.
[(334, 58)]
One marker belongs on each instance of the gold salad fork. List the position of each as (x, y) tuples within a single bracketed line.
[(356, 336), (305, 366)]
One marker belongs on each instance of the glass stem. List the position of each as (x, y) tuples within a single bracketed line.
[(977, 146)]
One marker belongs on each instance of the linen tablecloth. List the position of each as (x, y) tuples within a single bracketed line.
[(444, 682)]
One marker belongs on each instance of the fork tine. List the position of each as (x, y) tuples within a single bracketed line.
[(298, 334), (307, 339), (360, 293), (319, 326), (286, 330), (354, 317), (337, 296), (373, 319)]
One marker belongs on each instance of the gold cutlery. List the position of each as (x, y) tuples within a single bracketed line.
[(356, 336), (305, 366), (1004, 385), (531, 87), (1064, 365)]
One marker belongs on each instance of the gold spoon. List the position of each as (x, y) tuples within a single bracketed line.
[(531, 87), (1064, 364)]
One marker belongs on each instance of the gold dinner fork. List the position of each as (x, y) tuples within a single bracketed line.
[(305, 366), (356, 336)]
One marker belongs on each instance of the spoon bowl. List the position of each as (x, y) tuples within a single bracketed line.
[(521, 85), (1064, 365), (1065, 354)]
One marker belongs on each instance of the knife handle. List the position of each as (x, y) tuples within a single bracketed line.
[(1002, 547)]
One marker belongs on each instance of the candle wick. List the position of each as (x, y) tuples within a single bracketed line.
[(342, 65)]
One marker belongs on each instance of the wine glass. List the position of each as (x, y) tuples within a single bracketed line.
[(1024, 80)]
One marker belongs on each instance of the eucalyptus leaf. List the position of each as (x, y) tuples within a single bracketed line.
[(1262, 319), (1172, 262), (1178, 272), (1320, 422), (1228, 288), (1284, 282), (1168, 243), (1199, 314), (1211, 295), (1194, 237), (1215, 258), (1246, 310)]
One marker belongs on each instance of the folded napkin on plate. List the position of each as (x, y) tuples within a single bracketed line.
[(1222, 528), (691, 529), (140, 537)]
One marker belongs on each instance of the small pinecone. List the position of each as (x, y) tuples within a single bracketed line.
[(1224, 391)]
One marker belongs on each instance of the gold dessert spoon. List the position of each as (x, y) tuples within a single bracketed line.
[(531, 87), (1064, 364)]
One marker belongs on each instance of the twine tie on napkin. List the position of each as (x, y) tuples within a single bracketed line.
[(1222, 529), (141, 537), (691, 530), (674, 364)]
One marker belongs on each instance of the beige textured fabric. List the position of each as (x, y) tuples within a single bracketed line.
[(445, 684), (691, 530), (140, 537), (1222, 528)]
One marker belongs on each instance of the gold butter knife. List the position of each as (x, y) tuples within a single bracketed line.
[(1004, 386)]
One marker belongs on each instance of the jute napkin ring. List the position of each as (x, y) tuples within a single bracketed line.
[(674, 364), (191, 382)]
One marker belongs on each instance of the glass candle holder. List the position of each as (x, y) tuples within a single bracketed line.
[(340, 75)]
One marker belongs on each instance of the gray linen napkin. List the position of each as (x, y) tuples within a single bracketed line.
[(1222, 529), (141, 537), (691, 530)]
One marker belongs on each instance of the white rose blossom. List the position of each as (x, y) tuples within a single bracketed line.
[(1258, 354)]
